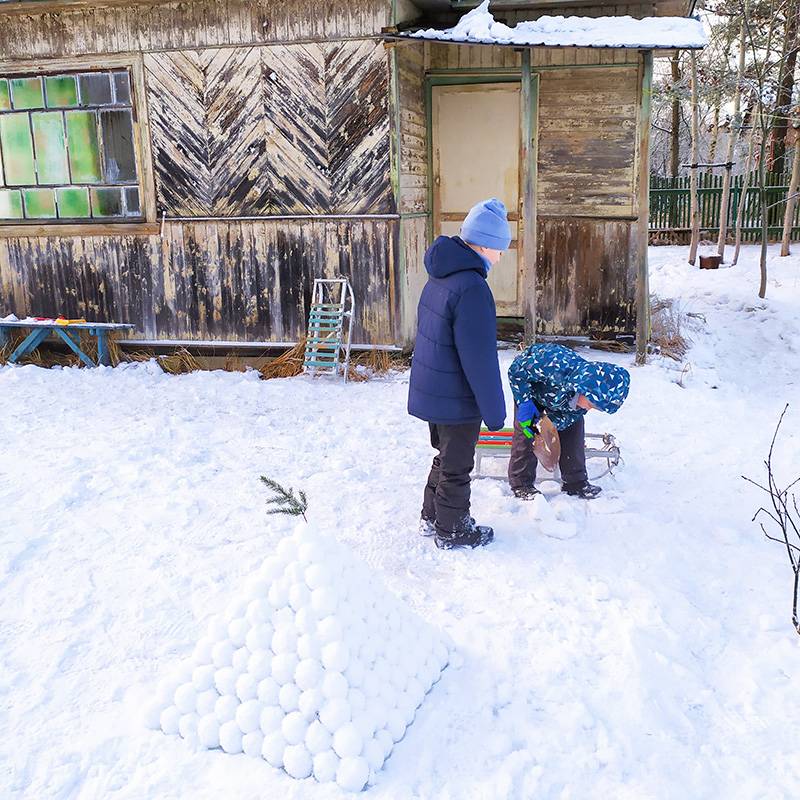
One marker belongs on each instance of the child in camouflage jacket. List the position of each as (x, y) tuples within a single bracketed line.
[(552, 379)]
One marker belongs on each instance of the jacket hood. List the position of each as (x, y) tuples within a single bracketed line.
[(450, 254), (606, 385)]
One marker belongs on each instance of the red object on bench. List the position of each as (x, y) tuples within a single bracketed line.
[(499, 439)]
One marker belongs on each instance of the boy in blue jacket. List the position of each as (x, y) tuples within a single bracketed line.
[(552, 379), (455, 375)]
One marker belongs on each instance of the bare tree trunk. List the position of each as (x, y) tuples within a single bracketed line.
[(762, 187), (675, 137), (695, 200), (743, 192), (712, 146), (785, 90), (733, 136), (791, 201)]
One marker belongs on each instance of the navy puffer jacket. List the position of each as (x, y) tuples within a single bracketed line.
[(455, 375)]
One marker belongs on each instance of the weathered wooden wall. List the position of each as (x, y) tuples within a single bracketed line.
[(204, 281)]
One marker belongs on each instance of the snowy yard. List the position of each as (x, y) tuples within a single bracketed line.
[(639, 646)]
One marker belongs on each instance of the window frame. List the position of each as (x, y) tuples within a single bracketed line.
[(141, 142)]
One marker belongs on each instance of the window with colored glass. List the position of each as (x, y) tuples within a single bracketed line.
[(66, 148)]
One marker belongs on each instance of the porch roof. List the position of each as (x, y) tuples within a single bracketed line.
[(651, 33)]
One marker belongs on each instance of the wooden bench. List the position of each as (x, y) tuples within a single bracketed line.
[(498, 444), (67, 330)]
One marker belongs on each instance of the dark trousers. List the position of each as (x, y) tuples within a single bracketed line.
[(446, 498), (522, 466)]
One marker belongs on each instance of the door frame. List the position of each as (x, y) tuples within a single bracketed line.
[(528, 139)]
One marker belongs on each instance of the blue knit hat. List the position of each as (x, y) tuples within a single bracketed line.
[(487, 226)]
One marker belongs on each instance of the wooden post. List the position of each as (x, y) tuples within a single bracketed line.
[(527, 215), (642, 277), (791, 200), (695, 200), (745, 186), (733, 135)]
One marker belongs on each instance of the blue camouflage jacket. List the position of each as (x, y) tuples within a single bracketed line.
[(552, 375)]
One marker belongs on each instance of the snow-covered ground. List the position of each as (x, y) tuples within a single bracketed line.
[(649, 655)]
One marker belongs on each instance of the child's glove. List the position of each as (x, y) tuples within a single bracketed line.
[(527, 416)]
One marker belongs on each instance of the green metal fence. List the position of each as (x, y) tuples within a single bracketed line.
[(670, 206)]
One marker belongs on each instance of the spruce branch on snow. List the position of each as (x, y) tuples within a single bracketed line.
[(285, 501), (785, 515)]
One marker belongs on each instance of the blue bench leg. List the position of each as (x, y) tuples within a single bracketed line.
[(29, 343), (4, 337), (74, 347), (102, 349)]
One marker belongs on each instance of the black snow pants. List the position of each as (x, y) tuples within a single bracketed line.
[(522, 466), (446, 500)]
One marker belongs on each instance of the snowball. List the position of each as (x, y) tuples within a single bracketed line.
[(305, 620), (284, 640), (208, 731), (318, 738), (225, 708), (259, 637), (329, 629), (246, 687), (371, 685), (324, 600), (240, 658), (278, 595), (287, 549), (270, 568), (236, 608), (310, 702), (294, 727), (152, 714), (169, 719), (368, 653), (187, 727), (325, 766), (317, 576), (273, 748), (258, 611), (222, 654), (202, 650), (335, 656), (294, 572), (308, 674), (289, 696), (283, 667), (256, 589), (230, 737), (268, 690), (270, 719), (307, 552), (396, 724), (355, 673), (252, 743), (217, 628), (206, 702), (237, 630), (373, 754), (334, 684), (357, 700), (352, 774), (203, 677), (347, 741), (248, 716), (297, 761), (335, 713), (385, 738), (185, 698), (365, 723), (308, 647), (260, 664), (299, 596), (283, 618), (225, 680)]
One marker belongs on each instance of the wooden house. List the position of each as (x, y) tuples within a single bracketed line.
[(190, 167)]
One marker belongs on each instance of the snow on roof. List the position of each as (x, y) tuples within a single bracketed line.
[(480, 27)]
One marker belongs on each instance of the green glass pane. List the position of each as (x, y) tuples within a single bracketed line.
[(73, 202), (10, 204), (15, 138), (51, 149), (120, 161), (133, 207), (122, 87), (62, 91), (84, 151), (107, 202), (5, 97), (27, 93), (39, 203), (95, 89)]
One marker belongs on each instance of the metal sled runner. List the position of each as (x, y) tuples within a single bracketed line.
[(498, 444), (330, 327)]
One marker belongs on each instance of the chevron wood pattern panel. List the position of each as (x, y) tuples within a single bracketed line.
[(207, 124)]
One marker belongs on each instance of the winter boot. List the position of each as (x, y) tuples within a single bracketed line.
[(583, 489), (467, 534), (427, 527), (525, 492)]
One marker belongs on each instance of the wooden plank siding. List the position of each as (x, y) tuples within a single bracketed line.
[(199, 24), (247, 281), (413, 133)]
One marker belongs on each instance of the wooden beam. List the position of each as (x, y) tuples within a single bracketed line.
[(35, 7), (527, 211), (642, 278)]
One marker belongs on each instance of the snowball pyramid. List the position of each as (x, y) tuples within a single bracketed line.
[(316, 667)]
